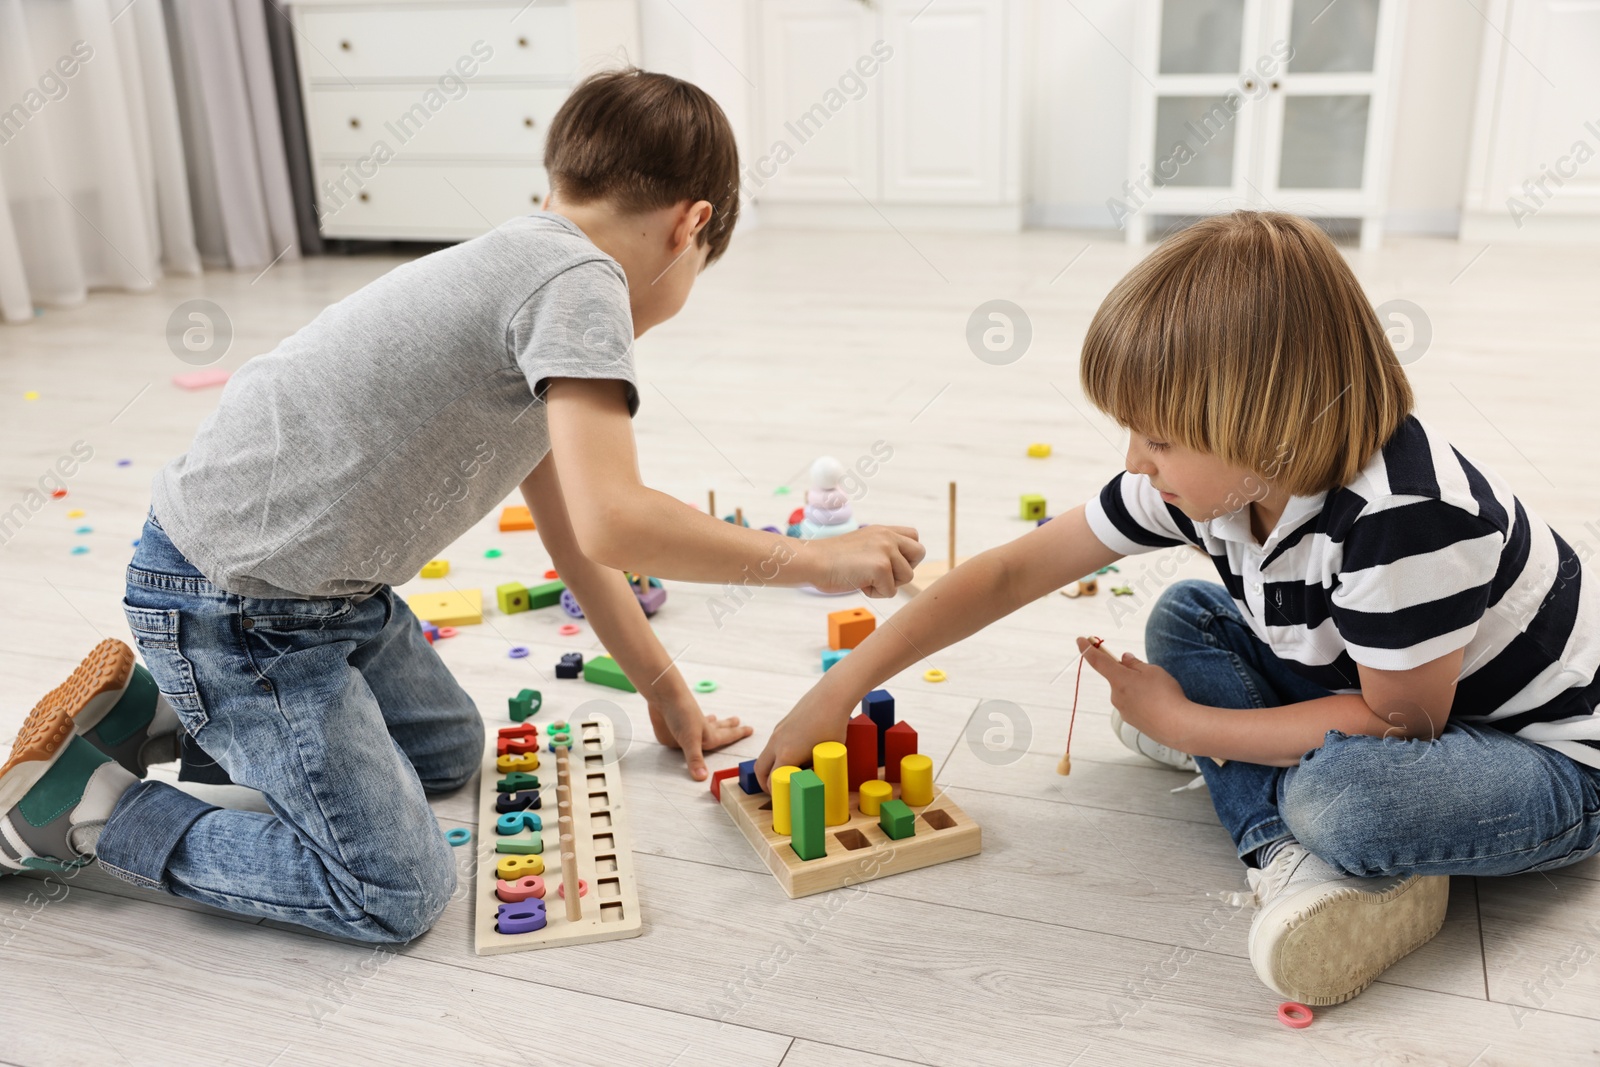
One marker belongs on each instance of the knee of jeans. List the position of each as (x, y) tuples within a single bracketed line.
[(461, 759), (1175, 618), (1341, 803), (420, 892)]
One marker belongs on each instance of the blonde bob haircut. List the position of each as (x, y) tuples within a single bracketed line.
[(1246, 336)]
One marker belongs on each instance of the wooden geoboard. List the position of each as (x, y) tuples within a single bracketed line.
[(602, 846)]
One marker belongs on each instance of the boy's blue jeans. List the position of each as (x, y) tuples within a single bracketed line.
[(1475, 801), (339, 712)]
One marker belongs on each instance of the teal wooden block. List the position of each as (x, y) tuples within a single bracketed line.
[(808, 834), (532, 845), (896, 818), (830, 656)]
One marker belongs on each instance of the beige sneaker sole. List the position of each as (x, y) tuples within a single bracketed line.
[(1324, 946), (95, 685)]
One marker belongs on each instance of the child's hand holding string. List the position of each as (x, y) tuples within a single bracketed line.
[(1148, 698)]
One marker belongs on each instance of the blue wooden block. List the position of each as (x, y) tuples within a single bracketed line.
[(571, 665), (521, 801), (514, 822), (831, 656), (747, 777), (879, 707)]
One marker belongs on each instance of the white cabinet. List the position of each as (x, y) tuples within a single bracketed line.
[(1279, 104), (1533, 172), (426, 118), (900, 102)]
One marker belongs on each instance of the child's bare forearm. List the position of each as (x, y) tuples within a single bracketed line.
[(1276, 737), (652, 533)]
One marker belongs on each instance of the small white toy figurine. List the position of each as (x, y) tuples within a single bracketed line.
[(827, 507)]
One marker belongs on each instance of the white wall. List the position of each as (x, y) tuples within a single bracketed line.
[(1079, 91)]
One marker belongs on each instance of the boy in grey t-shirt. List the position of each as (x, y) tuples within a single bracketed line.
[(334, 466)]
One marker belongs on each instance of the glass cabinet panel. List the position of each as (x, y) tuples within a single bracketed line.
[(1194, 141), (1201, 36), (1324, 142), (1332, 35)]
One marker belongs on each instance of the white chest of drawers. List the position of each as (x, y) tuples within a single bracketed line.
[(426, 118)]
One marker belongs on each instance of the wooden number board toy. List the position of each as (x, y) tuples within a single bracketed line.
[(525, 890), (865, 809)]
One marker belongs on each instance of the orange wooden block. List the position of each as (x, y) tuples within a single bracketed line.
[(847, 629), (516, 518)]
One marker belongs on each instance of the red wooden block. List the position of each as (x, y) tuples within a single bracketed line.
[(861, 738), (899, 741), (515, 746), (717, 778), (526, 729)]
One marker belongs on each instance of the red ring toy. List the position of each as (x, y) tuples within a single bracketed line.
[(567, 629), (1294, 1014), (447, 631), (551, 574)]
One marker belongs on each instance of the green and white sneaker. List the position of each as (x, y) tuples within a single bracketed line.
[(1323, 936), (113, 703), (1149, 747), (56, 793)]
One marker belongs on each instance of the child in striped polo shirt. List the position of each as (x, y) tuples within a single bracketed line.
[(1395, 680)]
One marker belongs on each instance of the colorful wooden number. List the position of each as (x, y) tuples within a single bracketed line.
[(517, 780), (522, 761), (516, 801), (526, 729), (514, 822), (520, 890), (513, 867), (516, 745), (521, 918)]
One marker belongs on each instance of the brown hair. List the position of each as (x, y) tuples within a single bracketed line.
[(644, 141), (1247, 336)]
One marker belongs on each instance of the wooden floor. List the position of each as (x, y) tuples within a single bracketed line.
[(1085, 933)]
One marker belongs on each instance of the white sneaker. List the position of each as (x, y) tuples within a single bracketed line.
[(1323, 936), (1151, 748)]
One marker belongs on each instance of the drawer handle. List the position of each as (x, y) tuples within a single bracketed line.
[(528, 123), (363, 196), (344, 46), (522, 42), (355, 124), (537, 197)]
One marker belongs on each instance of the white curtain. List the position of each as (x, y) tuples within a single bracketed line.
[(93, 192), (222, 67)]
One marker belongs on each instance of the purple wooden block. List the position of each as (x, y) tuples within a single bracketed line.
[(521, 918)]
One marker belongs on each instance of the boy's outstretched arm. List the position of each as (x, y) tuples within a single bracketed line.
[(622, 523), (985, 588), (614, 612)]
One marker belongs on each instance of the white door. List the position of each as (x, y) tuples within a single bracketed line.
[(944, 107), (819, 139)]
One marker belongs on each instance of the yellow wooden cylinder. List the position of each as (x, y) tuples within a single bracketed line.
[(916, 780), (828, 760), (874, 792), (780, 800)]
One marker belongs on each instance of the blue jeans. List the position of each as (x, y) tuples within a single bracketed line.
[(339, 712), (1474, 801)]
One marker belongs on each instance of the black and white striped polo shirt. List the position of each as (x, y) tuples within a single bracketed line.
[(1424, 552)]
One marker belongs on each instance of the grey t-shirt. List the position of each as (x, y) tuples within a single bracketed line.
[(370, 439)]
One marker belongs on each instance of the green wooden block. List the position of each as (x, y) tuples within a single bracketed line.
[(603, 670), (808, 835), (521, 846), (513, 597), (1032, 506), (547, 595), (896, 818), (516, 782), (525, 704)]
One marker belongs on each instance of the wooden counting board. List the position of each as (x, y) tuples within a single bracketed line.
[(857, 851), (585, 837)]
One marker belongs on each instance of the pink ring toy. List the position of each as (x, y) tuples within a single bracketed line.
[(447, 631), (568, 629), (583, 890), (1294, 1014)]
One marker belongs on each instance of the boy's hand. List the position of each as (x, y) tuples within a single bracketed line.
[(679, 723), (876, 560), (813, 721), (1148, 698)]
